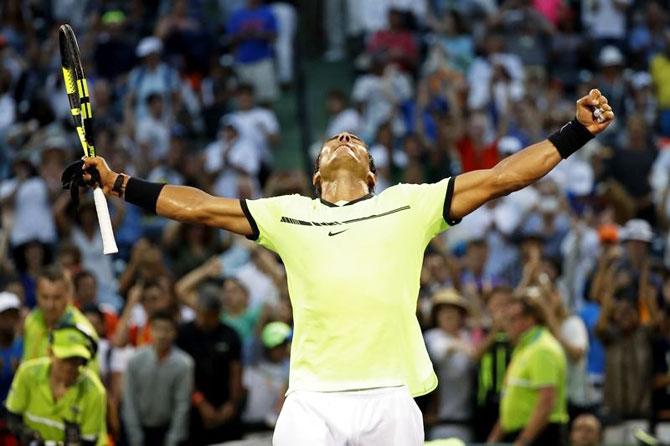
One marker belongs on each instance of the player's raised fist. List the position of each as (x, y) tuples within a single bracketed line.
[(593, 112)]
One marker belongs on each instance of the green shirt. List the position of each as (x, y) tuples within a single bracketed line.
[(36, 333), (538, 362), (84, 403), (353, 277)]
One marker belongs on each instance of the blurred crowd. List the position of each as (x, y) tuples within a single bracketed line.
[(194, 324)]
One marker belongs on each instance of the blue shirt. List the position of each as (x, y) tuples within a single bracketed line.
[(595, 359), (255, 20), (10, 357)]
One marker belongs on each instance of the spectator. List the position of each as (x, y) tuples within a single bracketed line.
[(11, 343), (84, 232), (216, 350), (533, 409), (342, 117), (605, 21), (55, 396), (570, 331), (659, 68), (157, 389), (661, 367), (378, 94), (54, 294), (152, 132), (28, 194), (494, 354), (251, 31), (112, 363), (267, 381), (152, 76), (450, 346), (86, 294), (144, 300), (285, 14), (230, 157), (396, 42), (113, 54), (257, 124), (586, 431), (628, 356)]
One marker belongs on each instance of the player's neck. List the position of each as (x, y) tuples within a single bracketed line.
[(344, 187)]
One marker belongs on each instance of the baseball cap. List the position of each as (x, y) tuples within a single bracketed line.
[(72, 342), (149, 45), (637, 229), (9, 301), (610, 56), (275, 334)]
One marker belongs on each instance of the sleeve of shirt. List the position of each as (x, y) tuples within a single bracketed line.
[(431, 204), (17, 399), (93, 427), (265, 216), (180, 416), (544, 370)]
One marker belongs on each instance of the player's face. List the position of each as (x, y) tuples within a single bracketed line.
[(52, 299), (344, 151)]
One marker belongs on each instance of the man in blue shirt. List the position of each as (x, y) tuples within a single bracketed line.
[(251, 31)]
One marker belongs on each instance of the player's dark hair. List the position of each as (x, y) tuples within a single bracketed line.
[(371, 166)]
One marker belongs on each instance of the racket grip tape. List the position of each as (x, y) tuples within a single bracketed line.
[(105, 222)]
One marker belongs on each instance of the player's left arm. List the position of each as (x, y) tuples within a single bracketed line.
[(473, 189)]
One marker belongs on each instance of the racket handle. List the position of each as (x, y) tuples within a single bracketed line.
[(108, 242)]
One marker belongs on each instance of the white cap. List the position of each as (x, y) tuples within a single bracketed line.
[(509, 145), (637, 229), (149, 45), (610, 56), (9, 301)]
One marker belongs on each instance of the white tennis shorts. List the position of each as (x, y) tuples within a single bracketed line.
[(385, 416)]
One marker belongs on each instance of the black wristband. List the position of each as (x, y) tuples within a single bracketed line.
[(570, 138), (143, 193), (118, 183)]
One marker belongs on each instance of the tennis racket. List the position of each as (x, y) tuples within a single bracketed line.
[(80, 108)]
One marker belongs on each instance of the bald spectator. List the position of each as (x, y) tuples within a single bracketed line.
[(586, 431)]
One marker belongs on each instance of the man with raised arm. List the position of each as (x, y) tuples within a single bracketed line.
[(353, 261)]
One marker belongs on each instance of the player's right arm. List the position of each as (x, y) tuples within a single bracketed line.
[(183, 203)]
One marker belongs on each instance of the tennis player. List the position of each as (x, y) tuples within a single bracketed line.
[(353, 261)]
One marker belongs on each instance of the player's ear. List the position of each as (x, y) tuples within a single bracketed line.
[(316, 182), (371, 180)]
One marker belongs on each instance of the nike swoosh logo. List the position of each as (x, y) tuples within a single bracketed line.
[(330, 233)]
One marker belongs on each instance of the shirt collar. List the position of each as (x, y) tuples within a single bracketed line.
[(333, 205), (529, 336)]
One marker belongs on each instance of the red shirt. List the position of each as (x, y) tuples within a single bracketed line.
[(474, 159), (396, 43)]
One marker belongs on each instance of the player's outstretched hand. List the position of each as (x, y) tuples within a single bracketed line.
[(593, 112), (107, 176)]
